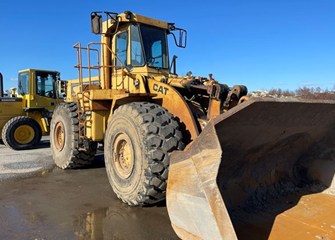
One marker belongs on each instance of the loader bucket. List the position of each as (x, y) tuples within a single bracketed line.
[(262, 170)]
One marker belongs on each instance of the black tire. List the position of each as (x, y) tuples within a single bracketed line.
[(65, 152), (152, 134), (21, 133)]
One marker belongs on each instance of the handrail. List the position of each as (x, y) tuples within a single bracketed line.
[(89, 49)]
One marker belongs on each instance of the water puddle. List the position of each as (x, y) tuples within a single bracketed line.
[(122, 222)]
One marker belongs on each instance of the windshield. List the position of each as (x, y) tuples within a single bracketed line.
[(23, 83), (155, 46)]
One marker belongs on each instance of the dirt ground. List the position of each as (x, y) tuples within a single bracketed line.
[(75, 204)]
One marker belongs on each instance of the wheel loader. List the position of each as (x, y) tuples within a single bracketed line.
[(25, 115), (230, 167)]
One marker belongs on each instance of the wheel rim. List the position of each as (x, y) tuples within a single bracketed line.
[(24, 134), (59, 136), (123, 156)]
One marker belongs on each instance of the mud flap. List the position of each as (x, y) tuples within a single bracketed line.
[(248, 162)]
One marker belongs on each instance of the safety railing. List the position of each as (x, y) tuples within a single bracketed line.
[(100, 64), (98, 61)]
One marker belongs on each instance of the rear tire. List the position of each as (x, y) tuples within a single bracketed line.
[(138, 141), (21, 133), (64, 135)]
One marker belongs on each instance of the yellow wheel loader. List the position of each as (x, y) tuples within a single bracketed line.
[(230, 167), (25, 115)]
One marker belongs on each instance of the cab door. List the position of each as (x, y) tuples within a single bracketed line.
[(120, 59), (128, 49), (44, 91)]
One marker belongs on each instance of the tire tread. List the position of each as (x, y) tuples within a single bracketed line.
[(77, 158), (163, 136)]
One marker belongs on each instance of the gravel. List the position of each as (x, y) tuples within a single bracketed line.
[(25, 163)]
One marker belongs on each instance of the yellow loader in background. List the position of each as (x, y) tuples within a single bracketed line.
[(232, 167), (25, 115)]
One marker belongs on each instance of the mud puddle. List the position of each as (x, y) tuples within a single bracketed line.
[(75, 204)]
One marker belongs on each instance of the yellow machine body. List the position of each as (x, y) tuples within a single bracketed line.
[(251, 168), (9, 110)]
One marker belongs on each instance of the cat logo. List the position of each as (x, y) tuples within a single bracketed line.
[(160, 89)]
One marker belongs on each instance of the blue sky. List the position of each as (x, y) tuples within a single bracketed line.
[(262, 44)]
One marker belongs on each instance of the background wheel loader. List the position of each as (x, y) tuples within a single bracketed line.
[(25, 115), (233, 167)]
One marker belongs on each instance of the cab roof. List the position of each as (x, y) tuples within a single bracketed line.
[(129, 17), (35, 70)]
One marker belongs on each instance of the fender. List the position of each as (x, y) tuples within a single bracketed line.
[(175, 104)]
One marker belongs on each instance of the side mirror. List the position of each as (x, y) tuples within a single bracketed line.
[(110, 18), (96, 23), (182, 35), (182, 38)]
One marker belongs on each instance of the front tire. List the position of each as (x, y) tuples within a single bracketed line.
[(138, 141), (21, 133), (64, 135)]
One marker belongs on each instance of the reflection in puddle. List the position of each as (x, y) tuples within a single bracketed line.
[(123, 222)]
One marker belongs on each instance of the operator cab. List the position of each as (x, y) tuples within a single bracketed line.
[(148, 46), (137, 41), (40, 82)]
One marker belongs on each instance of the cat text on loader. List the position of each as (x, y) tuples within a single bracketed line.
[(258, 168), (25, 114)]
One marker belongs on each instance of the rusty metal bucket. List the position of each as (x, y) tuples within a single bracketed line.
[(262, 170)]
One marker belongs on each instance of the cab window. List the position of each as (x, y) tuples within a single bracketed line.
[(154, 42), (23, 83), (121, 48), (137, 58), (45, 84)]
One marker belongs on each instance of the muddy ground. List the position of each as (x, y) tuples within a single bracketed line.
[(75, 204)]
